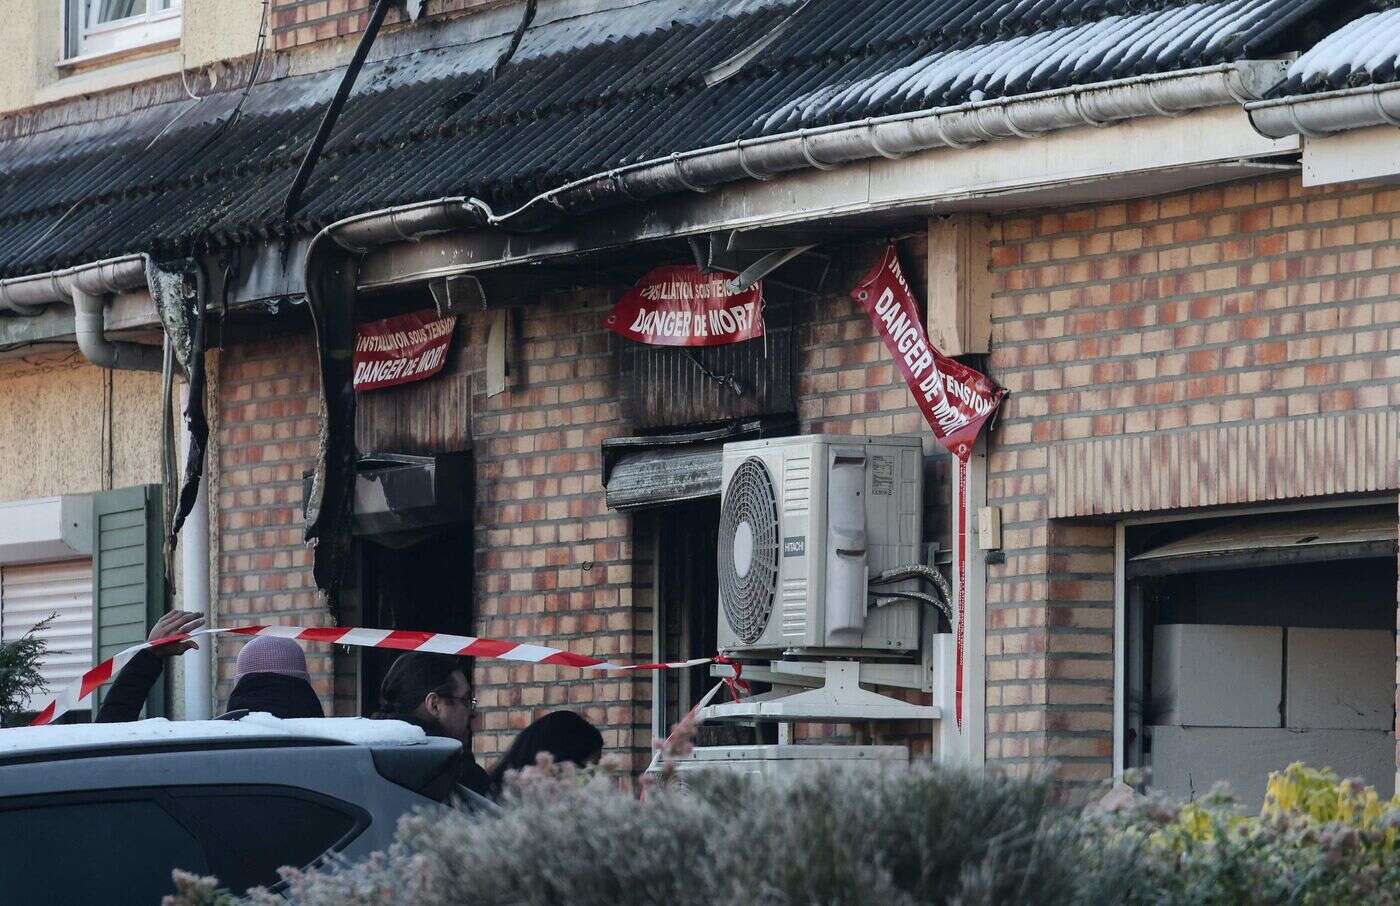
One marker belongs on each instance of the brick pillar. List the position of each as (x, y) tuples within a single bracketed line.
[(554, 564), (268, 437)]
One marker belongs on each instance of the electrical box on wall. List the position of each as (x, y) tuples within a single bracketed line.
[(804, 523)]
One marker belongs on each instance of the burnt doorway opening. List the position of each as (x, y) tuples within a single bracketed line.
[(414, 580), (688, 619)]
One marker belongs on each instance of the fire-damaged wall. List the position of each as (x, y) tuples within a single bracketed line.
[(553, 563), (1222, 346)]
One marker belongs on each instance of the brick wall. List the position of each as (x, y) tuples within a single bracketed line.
[(267, 438), (299, 22), (1234, 329), (553, 564), (1256, 306), (848, 384)]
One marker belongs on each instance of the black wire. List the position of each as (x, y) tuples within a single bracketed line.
[(724, 380), (328, 121), (258, 53), (526, 18)]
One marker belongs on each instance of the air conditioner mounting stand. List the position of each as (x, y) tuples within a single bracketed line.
[(840, 699)]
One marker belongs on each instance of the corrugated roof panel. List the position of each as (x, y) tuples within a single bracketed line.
[(1362, 52), (586, 91)]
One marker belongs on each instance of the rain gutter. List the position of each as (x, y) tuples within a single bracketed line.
[(899, 135), (89, 288), (364, 232), (1316, 115)]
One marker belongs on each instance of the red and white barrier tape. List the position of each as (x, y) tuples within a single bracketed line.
[(399, 639), (735, 684)]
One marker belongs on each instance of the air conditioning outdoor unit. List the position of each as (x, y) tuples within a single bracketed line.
[(804, 523)]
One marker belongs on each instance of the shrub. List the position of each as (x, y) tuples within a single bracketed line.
[(19, 671), (931, 834), (928, 835), (1318, 840)]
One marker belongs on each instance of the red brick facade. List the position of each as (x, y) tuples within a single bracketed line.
[(553, 564), (1259, 304), (299, 22), (267, 438), (1256, 306)]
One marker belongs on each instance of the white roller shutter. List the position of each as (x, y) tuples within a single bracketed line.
[(31, 592)]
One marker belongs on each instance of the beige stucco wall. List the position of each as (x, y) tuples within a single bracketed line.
[(55, 436), (31, 41), (30, 34), (219, 30)]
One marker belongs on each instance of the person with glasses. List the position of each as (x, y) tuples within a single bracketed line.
[(431, 691)]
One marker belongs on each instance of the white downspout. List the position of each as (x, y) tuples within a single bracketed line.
[(194, 595), (89, 326)]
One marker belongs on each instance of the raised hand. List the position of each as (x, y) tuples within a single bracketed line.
[(174, 623)]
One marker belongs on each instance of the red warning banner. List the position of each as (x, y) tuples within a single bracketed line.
[(399, 350), (681, 305), (956, 400)]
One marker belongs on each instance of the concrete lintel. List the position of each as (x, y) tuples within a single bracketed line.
[(45, 528)]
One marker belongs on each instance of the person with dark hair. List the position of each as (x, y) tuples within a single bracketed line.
[(431, 691), (566, 736)]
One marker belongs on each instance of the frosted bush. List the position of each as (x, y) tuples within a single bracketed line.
[(1318, 840), (926, 835)]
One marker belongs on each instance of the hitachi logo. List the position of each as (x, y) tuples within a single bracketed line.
[(795, 547)]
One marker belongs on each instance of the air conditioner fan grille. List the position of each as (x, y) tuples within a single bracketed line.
[(748, 550)]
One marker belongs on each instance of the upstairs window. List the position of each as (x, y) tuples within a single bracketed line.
[(99, 27)]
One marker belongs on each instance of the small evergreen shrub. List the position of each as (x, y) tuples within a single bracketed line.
[(19, 672)]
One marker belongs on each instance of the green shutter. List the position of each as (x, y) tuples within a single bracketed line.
[(127, 575)]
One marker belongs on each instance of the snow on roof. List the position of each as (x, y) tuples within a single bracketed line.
[(159, 731)]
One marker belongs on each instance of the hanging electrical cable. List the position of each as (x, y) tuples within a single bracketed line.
[(259, 52)]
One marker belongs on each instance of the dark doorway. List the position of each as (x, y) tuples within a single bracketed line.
[(421, 581), (688, 590)]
